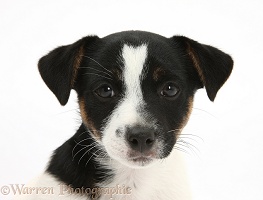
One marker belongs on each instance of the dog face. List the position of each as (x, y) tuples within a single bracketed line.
[(135, 89)]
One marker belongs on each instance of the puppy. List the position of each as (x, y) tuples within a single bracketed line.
[(135, 93)]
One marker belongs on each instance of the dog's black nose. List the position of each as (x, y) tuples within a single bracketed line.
[(140, 138)]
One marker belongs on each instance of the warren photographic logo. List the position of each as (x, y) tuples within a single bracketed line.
[(65, 190)]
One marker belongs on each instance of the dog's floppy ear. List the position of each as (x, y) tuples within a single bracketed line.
[(59, 68), (212, 65)]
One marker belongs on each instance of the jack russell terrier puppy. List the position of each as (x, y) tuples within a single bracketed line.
[(135, 93)]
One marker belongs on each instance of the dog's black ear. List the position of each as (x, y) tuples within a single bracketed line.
[(212, 65), (59, 68)]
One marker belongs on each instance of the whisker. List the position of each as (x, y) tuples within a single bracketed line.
[(188, 138), (103, 153), (82, 133), (191, 135), (189, 144), (97, 63), (181, 144), (98, 75), (79, 152), (95, 153), (85, 154), (186, 146), (88, 160), (82, 149), (205, 112), (181, 149), (77, 143), (98, 70)]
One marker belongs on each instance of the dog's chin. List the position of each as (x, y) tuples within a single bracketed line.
[(133, 159), (138, 162)]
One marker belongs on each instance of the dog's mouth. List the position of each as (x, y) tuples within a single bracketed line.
[(141, 160)]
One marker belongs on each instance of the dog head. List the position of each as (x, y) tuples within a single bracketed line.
[(135, 89)]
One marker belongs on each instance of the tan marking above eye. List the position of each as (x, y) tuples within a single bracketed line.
[(158, 73), (118, 74)]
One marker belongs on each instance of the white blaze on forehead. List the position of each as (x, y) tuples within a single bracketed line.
[(126, 113), (134, 59)]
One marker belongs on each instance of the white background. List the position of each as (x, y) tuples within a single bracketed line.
[(229, 161)]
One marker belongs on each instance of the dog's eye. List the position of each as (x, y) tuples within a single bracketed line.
[(105, 91), (169, 90)]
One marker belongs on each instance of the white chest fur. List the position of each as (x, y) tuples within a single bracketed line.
[(166, 180)]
